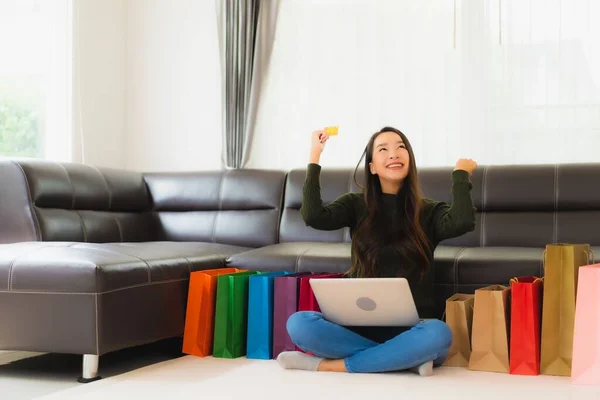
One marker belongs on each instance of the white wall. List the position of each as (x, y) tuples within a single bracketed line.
[(173, 90), (149, 85), (520, 85), (99, 89)]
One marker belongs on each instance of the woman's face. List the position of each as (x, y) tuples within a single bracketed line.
[(390, 158)]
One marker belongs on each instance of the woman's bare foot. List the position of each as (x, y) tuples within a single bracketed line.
[(332, 366)]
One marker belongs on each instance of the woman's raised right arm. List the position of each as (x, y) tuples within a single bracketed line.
[(336, 215)]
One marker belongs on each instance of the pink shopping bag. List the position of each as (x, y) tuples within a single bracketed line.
[(586, 341)]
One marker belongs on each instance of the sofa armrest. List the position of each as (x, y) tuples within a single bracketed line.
[(17, 218)]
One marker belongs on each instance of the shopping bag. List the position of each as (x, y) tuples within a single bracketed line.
[(285, 303), (525, 325), (459, 317), (586, 343), (306, 298), (561, 267), (231, 315), (200, 311), (490, 329), (259, 343)]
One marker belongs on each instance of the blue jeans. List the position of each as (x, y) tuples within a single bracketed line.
[(428, 341)]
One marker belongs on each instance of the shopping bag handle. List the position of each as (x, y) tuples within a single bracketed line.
[(516, 280), (544, 259), (590, 251)]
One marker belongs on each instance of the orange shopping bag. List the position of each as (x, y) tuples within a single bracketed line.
[(200, 313)]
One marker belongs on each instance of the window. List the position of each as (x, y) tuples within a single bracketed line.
[(500, 81), (35, 78)]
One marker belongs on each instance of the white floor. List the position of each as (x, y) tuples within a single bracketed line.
[(209, 378), (25, 376)]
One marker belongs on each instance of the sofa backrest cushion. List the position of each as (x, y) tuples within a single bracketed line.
[(75, 202), (237, 207), (334, 183), (523, 206)]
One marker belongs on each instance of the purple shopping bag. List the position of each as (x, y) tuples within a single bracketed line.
[(285, 303)]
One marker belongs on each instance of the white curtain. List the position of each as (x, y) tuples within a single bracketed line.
[(500, 81)]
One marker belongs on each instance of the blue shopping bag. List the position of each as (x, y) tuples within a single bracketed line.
[(259, 344)]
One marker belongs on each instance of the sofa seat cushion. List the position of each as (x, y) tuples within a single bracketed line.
[(328, 257), (295, 256), (73, 267), (457, 267), (497, 265), (335, 257), (445, 263)]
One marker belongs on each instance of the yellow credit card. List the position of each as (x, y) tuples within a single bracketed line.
[(331, 130)]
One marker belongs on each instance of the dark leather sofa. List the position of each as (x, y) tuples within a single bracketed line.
[(97, 260)]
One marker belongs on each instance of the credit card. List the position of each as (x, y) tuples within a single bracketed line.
[(331, 130)]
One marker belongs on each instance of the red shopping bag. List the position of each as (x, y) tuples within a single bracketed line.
[(525, 325), (307, 300)]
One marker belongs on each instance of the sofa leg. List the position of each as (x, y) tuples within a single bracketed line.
[(90, 369)]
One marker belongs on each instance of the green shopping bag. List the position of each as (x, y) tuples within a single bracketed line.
[(231, 315)]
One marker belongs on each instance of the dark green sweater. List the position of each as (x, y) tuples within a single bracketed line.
[(439, 220)]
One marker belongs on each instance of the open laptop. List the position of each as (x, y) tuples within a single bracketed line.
[(366, 301)]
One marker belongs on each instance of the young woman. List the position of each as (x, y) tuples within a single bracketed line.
[(394, 234)]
